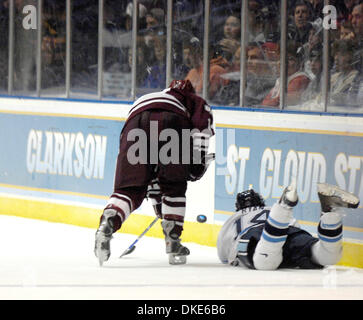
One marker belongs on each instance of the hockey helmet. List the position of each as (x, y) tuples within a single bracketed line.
[(249, 198), (184, 85)]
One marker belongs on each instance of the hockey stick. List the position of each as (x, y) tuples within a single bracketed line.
[(132, 247)]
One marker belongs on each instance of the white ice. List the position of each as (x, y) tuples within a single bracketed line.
[(43, 260)]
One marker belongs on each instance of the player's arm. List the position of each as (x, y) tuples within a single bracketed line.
[(202, 120)]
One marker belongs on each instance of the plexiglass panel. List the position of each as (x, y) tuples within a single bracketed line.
[(151, 47), (117, 49), (224, 52), (53, 48), (263, 54), (84, 64), (346, 85), (303, 53), (187, 41), (4, 46), (25, 47), (262, 51)]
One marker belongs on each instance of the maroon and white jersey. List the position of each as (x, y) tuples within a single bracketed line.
[(186, 104)]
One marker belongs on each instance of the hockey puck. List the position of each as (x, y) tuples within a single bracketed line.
[(201, 218)]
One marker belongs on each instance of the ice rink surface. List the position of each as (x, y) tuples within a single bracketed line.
[(43, 260)]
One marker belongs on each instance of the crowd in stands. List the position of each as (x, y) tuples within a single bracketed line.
[(304, 64), (304, 51)]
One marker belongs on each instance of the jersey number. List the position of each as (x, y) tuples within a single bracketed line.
[(255, 219), (259, 218)]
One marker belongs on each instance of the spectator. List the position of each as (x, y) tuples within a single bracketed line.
[(345, 80), (155, 25), (229, 93), (182, 69), (270, 19), (157, 74), (297, 80), (349, 4), (346, 31), (188, 17), (259, 78), (341, 10), (155, 19), (53, 45), (317, 7), (128, 16), (231, 36), (141, 65), (195, 75), (357, 23), (255, 21), (342, 90), (315, 38), (117, 34), (316, 66), (271, 51), (53, 61), (298, 30), (357, 20)]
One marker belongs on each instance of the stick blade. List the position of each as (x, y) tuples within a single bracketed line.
[(128, 251)]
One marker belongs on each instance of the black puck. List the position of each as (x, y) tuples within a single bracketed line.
[(201, 218)]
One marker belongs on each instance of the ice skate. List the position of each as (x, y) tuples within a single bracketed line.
[(289, 196), (103, 236), (102, 246), (333, 197), (176, 251)]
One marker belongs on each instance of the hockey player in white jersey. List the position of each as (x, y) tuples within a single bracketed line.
[(264, 238)]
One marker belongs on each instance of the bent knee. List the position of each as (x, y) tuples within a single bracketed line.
[(269, 262)]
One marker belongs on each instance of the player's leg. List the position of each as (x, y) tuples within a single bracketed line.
[(117, 210), (154, 194), (130, 186), (173, 213), (328, 250), (268, 252), (172, 176)]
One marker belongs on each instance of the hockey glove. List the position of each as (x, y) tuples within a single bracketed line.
[(197, 171)]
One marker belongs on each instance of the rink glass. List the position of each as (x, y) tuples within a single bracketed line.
[(102, 50)]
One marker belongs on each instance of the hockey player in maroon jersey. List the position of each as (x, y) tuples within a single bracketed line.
[(163, 144)]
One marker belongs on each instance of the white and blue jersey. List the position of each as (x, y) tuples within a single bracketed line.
[(235, 226), (249, 224)]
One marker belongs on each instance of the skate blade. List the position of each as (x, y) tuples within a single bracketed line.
[(347, 197), (102, 257), (175, 260), (100, 261)]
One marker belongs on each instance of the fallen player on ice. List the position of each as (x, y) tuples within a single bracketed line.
[(264, 238)]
